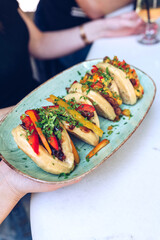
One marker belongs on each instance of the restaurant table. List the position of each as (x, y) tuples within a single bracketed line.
[(121, 198)]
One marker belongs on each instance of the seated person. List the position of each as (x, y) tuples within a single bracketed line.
[(52, 15)]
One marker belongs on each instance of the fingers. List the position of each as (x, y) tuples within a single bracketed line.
[(42, 187), (130, 15), (131, 26), (132, 19), (59, 185), (131, 23), (23, 185)]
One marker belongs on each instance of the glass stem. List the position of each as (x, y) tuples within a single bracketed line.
[(150, 31)]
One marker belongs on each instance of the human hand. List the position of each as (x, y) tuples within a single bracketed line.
[(124, 25), (118, 26), (22, 185), (5, 111), (14, 186)]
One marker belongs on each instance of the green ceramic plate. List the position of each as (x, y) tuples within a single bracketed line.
[(122, 130)]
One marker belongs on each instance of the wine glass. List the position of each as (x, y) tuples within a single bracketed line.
[(149, 11)]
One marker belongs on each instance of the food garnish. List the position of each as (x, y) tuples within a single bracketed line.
[(34, 118), (126, 112), (77, 115), (100, 145), (130, 73), (100, 81), (32, 135)]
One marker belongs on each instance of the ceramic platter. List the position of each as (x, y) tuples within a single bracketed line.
[(122, 130)]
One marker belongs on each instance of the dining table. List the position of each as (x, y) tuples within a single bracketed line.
[(120, 200)]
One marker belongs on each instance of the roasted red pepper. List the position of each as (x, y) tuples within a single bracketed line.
[(33, 138), (74, 82), (86, 107), (26, 120), (53, 142), (97, 85), (51, 107), (34, 118), (95, 69)]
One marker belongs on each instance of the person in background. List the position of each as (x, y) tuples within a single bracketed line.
[(20, 38), (52, 15)]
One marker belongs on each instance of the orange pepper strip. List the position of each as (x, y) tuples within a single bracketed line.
[(100, 145), (109, 128), (75, 153), (34, 120), (49, 100), (126, 112)]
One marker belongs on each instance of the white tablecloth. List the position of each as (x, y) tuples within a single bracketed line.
[(122, 196)]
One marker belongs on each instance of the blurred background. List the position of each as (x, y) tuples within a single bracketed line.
[(28, 6)]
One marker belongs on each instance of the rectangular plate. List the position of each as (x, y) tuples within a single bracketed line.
[(21, 163)]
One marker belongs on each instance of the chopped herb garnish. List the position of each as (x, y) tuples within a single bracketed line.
[(87, 159), (58, 134), (84, 97), (77, 148), (32, 131), (65, 175), (48, 122), (88, 90), (116, 125), (23, 116), (94, 103), (110, 132)]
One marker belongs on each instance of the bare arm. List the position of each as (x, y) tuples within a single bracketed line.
[(9, 196), (49, 45), (14, 186), (5, 111), (52, 44), (98, 8)]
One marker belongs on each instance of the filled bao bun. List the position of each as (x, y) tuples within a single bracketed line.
[(124, 85), (44, 160), (87, 136), (102, 106), (113, 87)]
